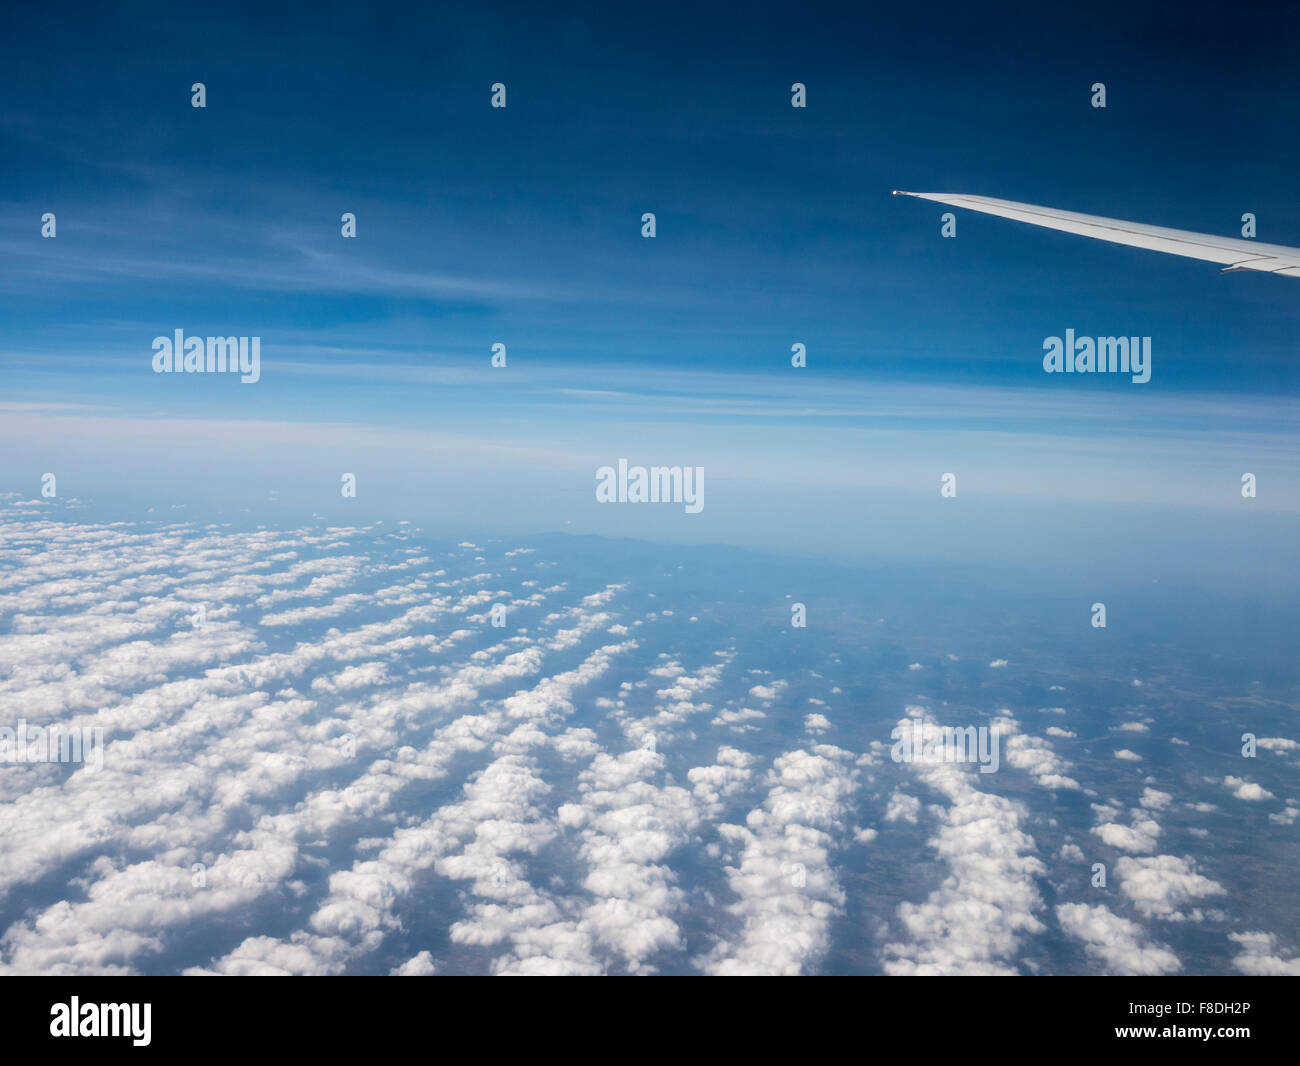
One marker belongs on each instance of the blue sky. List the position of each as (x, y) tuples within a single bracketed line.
[(522, 226)]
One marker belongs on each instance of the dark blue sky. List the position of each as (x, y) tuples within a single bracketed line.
[(773, 222)]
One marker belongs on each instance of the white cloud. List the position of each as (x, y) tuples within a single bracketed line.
[(420, 965), (1116, 942), (1247, 790), (788, 892), (204, 771), (1155, 800), (1259, 956), (1159, 886), (1036, 757), (903, 808), (1138, 837), (974, 922)]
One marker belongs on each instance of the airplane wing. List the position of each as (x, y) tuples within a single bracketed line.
[(1232, 252)]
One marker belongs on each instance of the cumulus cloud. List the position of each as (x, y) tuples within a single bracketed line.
[(1117, 943), (1138, 836), (903, 808), (975, 921), (1159, 886), (311, 734), (1259, 956), (1247, 790), (1155, 800), (420, 965), (786, 886), (1035, 756), (213, 785)]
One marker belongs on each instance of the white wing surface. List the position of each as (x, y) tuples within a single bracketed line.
[(1232, 252)]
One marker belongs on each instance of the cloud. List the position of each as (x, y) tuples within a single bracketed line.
[(346, 737), (420, 965), (715, 785), (222, 781), (974, 922), (1247, 790), (1139, 836), (1117, 943), (903, 808), (1159, 886), (1155, 800), (787, 890), (1035, 756), (1259, 957)]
